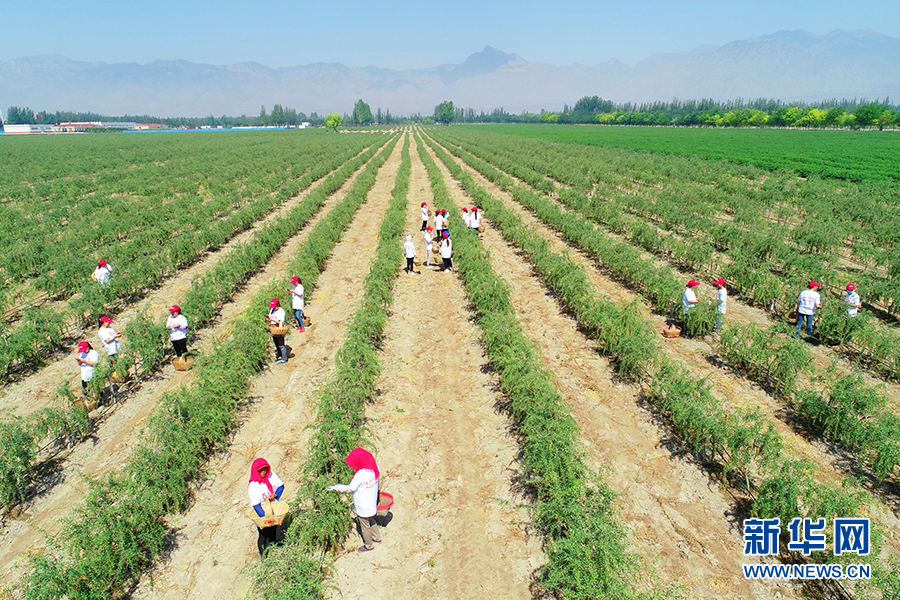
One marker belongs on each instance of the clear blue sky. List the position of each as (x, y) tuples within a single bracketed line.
[(404, 34)]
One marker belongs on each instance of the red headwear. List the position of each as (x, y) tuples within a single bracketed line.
[(273, 303), (258, 464), (295, 279), (361, 459), (424, 204), (83, 346), (101, 263)]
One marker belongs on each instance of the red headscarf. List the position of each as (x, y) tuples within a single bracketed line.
[(361, 459), (258, 464)]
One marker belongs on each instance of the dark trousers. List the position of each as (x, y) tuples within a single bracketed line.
[(281, 352), (448, 264), (180, 346), (269, 535), (424, 225), (409, 264)]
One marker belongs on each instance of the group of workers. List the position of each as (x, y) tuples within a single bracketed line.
[(266, 486), (807, 303)]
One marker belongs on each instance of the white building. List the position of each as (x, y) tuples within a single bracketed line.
[(13, 129)]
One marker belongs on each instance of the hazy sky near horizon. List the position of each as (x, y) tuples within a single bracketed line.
[(401, 34)]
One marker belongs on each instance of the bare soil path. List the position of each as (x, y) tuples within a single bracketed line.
[(111, 444), (215, 540), (445, 453), (682, 521)]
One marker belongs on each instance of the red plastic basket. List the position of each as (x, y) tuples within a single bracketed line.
[(385, 502)]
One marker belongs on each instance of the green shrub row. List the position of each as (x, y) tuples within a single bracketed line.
[(30, 343), (658, 284), (750, 274), (773, 361), (146, 338), (323, 521), (744, 443), (120, 528), (587, 546)]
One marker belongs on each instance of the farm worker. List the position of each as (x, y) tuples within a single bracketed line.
[(102, 273), (177, 325), (424, 216), (807, 303), (438, 222), (265, 485), (364, 486), (722, 298), (474, 218), (447, 252), (109, 337), (689, 298), (465, 215), (851, 299), (87, 358), (446, 220), (296, 291), (409, 250), (276, 317), (428, 247)]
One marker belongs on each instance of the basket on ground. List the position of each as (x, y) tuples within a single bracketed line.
[(385, 502), (275, 513), (279, 329), (672, 332), (183, 363), (120, 377)]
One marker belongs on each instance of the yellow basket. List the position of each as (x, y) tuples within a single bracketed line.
[(279, 329), (275, 513), (183, 363)]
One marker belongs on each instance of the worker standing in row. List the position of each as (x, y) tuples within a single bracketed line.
[(102, 274), (409, 250), (297, 301), (428, 246), (424, 216), (808, 303)]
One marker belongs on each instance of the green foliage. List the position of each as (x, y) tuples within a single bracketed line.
[(333, 121), (362, 114), (444, 113)]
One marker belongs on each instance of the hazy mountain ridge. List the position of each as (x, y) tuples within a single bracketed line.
[(789, 65)]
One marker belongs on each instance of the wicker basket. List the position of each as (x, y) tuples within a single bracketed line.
[(183, 363), (118, 377), (279, 329), (89, 402), (306, 320), (275, 513), (672, 333)]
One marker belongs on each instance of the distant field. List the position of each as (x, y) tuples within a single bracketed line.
[(853, 155)]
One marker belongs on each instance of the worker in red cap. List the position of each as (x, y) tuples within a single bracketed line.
[(721, 302), (852, 300), (102, 274), (87, 359), (429, 239), (807, 304), (475, 218), (297, 300), (110, 338), (424, 216), (276, 317), (177, 325), (689, 298), (465, 215), (447, 251), (438, 222)]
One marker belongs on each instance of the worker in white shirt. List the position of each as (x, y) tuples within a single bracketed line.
[(465, 215), (807, 304), (110, 338), (424, 216), (447, 252), (177, 325), (689, 298), (721, 302), (428, 246), (102, 274), (87, 359), (275, 316), (438, 222), (474, 218), (852, 300), (296, 291), (409, 250)]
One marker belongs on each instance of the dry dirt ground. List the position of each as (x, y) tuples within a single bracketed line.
[(681, 520), (110, 445), (215, 540), (445, 453)]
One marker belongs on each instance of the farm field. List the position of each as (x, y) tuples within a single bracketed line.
[(853, 155), (539, 435)]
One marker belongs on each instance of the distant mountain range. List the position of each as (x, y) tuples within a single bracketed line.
[(788, 65)]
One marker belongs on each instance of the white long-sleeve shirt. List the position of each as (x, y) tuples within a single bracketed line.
[(424, 213), (447, 248), (409, 249), (475, 220)]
